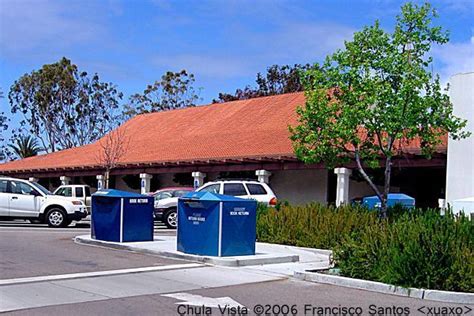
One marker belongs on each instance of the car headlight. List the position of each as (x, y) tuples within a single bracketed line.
[(77, 202)]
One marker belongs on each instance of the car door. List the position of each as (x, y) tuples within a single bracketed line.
[(24, 201), (236, 189), (4, 198), (162, 199), (88, 197), (79, 194)]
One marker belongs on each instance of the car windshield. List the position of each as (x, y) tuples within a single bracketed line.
[(42, 189), (163, 195), (180, 193), (213, 188)]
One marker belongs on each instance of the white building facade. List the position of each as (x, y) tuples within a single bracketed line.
[(460, 161)]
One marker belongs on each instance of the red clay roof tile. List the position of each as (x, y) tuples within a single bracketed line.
[(248, 128)]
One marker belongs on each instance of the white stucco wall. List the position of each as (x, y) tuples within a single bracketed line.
[(460, 164), (300, 186)]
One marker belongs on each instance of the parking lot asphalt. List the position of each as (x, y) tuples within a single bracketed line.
[(35, 250), (304, 297)]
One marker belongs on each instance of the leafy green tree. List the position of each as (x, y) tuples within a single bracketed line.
[(64, 107), (25, 146), (277, 80), (175, 90), (369, 100), (3, 127)]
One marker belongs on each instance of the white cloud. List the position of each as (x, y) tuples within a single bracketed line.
[(306, 42), (464, 7), (292, 43), (454, 58), (248, 36), (36, 27), (206, 65)]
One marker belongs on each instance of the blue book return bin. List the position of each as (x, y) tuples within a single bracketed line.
[(216, 225), (373, 202), (121, 216)]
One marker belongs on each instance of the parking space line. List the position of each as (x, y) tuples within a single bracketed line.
[(37, 231), (69, 276), (10, 229)]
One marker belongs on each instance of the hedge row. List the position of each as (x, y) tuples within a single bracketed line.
[(420, 248)]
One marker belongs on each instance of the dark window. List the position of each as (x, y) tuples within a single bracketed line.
[(3, 186), (234, 189), (213, 188), (21, 188), (64, 192), (88, 191), (256, 189), (79, 192)]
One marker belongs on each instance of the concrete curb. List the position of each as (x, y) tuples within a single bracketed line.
[(220, 261), (324, 252), (432, 295), (446, 296)]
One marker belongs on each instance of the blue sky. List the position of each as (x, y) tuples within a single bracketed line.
[(224, 43)]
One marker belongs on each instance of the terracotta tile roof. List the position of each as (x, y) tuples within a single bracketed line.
[(238, 129), (249, 128)]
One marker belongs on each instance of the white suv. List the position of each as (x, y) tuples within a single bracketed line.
[(255, 190), (22, 199)]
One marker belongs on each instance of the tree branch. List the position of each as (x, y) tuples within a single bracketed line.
[(365, 176)]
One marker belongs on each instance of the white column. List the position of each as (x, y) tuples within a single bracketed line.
[(342, 190), (198, 178), (145, 180), (442, 206), (33, 179), (64, 180), (100, 181), (263, 176)]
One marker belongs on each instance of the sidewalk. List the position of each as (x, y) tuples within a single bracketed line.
[(271, 258)]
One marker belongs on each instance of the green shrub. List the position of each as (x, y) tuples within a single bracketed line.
[(313, 225), (419, 249), (412, 248)]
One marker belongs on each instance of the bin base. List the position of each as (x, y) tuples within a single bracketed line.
[(166, 246)]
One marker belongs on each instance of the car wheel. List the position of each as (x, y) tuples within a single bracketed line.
[(56, 217), (171, 218)]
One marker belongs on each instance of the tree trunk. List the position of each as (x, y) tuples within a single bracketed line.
[(366, 177), (51, 142), (386, 187), (106, 180)]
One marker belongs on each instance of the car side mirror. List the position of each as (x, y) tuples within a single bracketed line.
[(35, 193)]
